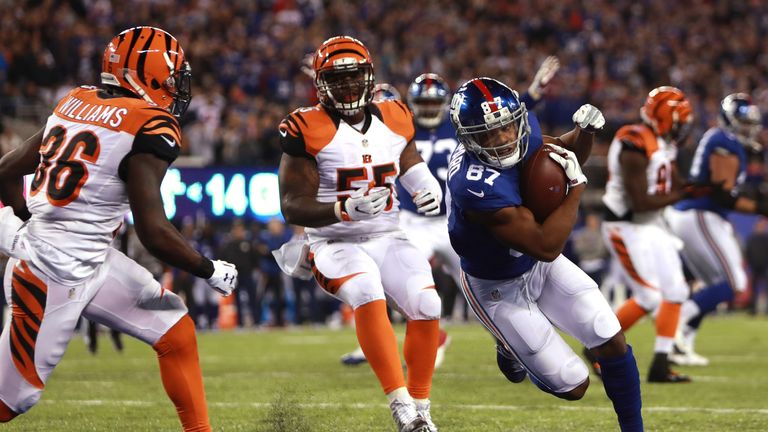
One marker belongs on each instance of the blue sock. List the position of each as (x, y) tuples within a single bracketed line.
[(622, 385), (708, 298), (695, 322)]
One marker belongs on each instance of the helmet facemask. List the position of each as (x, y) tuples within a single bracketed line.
[(428, 112), (502, 141), (347, 88), (179, 85)]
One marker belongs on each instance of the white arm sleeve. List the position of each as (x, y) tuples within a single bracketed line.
[(418, 178)]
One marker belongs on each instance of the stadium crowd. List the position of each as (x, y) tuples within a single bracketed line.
[(247, 55), (247, 59)]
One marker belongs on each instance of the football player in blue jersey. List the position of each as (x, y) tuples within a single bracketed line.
[(712, 251), (513, 274), (428, 98)]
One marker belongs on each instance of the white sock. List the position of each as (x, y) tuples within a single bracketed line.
[(664, 344), (421, 401), (400, 393), (689, 337)]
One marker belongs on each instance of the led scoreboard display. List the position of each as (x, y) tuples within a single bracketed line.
[(221, 193)]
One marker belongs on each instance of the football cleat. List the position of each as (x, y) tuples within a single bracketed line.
[(422, 408), (444, 341), (660, 371), (512, 369), (354, 358), (592, 360), (406, 418), (685, 356)]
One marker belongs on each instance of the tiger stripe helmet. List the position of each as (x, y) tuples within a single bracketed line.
[(668, 112), (344, 75), (150, 63)]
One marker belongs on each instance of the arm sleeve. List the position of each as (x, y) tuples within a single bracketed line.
[(160, 136), (292, 139)]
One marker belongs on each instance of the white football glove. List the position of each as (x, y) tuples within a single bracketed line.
[(224, 278), (364, 204), (589, 118), (428, 201), (9, 234), (567, 159), (544, 75)]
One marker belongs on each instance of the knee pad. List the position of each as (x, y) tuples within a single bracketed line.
[(571, 374), (677, 294), (597, 322), (361, 289), (427, 305), (648, 299), (739, 283)]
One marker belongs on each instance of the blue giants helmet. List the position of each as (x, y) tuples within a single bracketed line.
[(385, 91), (428, 97), (484, 105), (740, 116)]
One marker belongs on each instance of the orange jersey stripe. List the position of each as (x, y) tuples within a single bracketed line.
[(28, 295), (626, 260)]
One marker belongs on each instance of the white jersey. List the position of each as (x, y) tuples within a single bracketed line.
[(78, 197), (351, 157), (661, 157)]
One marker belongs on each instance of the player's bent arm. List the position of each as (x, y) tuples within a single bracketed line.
[(633, 168), (409, 157), (299, 181), (13, 167), (516, 227), (576, 140), (145, 174), (723, 170)]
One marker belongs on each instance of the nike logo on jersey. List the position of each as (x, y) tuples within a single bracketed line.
[(477, 194), (170, 142)]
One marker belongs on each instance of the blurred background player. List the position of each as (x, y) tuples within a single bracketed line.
[(337, 174), (643, 180), (514, 276), (102, 152), (712, 251)]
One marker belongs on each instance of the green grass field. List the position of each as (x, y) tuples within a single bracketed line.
[(292, 381)]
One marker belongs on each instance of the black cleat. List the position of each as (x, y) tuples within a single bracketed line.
[(592, 360), (660, 371), (512, 369)]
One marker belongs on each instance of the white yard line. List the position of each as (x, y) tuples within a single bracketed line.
[(473, 407)]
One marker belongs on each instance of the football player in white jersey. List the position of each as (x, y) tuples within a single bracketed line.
[(104, 151), (337, 175), (643, 181), (712, 251)]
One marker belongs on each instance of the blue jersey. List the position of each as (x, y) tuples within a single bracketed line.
[(435, 147), (715, 140), (474, 186)]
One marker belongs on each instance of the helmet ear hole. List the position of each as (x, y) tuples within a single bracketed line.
[(155, 85)]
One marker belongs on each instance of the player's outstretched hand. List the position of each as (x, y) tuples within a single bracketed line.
[(544, 75), (428, 201), (224, 278), (589, 118), (365, 203), (570, 163)]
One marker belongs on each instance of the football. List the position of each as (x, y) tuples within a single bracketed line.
[(543, 184)]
